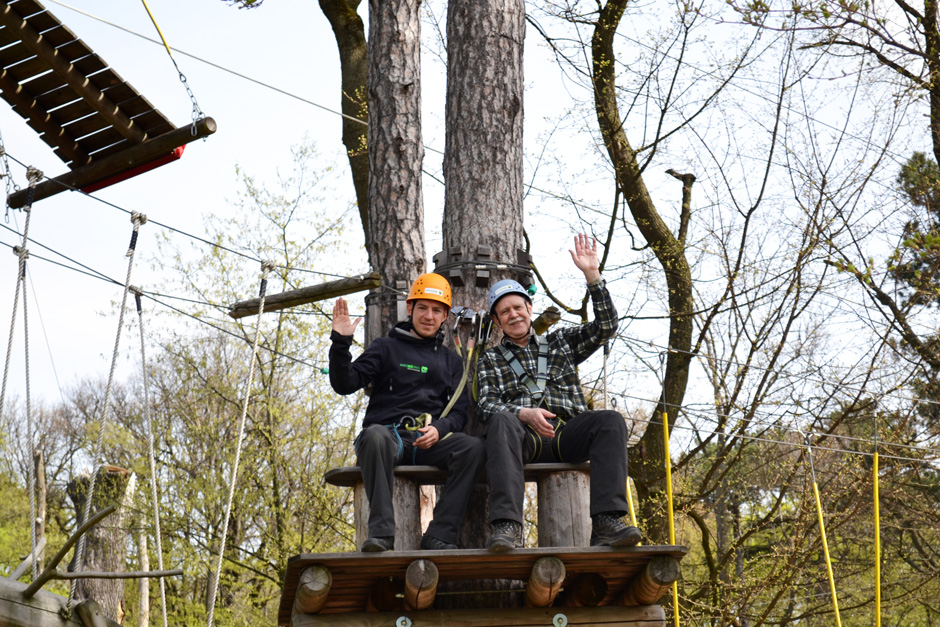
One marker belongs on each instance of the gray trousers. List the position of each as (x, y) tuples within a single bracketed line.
[(596, 436), (379, 451)]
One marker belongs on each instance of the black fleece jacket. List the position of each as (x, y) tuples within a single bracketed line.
[(409, 376)]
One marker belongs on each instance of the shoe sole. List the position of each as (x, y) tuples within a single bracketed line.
[(500, 547), (373, 548), (631, 537)]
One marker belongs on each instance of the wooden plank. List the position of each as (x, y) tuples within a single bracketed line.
[(109, 166), (640, 616), (42, 84), (16, 53), (354, 574), (41, 610), (87, 87), (304, 295)]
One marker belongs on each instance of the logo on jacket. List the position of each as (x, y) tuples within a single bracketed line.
[(421, 369)]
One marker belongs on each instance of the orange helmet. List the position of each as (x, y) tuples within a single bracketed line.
[(430, 287)]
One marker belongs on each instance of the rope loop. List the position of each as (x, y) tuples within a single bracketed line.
[(33, 175), (138, 220)]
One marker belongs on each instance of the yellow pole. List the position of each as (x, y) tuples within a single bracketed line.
[(672, 524), (877, 547), (630, 507), (822, 532)]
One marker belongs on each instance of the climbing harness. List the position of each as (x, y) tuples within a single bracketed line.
[(536, 387), (197, 113), (138, 220), (154, 496), (266, 268)]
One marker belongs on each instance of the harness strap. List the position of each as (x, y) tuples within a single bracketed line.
[(537, 387)]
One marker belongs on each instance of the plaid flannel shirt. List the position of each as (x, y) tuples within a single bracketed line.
[(501, 390)]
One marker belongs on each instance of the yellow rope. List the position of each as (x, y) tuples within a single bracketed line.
[(672, 523), (822, 531), (877, 547), (157, 26), (631, 508)]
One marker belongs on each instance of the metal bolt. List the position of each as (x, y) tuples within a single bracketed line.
[(403, 621), (560, 620)]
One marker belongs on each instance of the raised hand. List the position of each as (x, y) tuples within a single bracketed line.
[(585, 256), (342, 323)]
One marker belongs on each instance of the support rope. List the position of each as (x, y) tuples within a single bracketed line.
[(877, 499), (669, 502), (266, 268), (138, 220), (822, 533), (22, 253), (154, 495)]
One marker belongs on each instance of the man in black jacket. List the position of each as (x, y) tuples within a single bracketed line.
[(410, 373)]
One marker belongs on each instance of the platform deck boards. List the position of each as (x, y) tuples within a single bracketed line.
[(355, 574), (348, 476)]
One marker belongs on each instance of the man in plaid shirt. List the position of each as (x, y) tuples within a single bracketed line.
[(533, 409)]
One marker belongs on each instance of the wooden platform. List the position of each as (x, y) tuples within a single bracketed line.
[(356, 574)]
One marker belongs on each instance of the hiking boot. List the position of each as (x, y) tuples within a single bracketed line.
[(378, 544), (608, 529), (507, 535), (430, 543)]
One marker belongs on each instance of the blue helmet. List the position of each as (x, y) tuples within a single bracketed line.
[(505, 288)]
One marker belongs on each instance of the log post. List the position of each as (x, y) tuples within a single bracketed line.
[(586, 590), (564, 509), (406, 499), (90, 614), (548, 574), (653, 582), (312, 590), (420, 584)]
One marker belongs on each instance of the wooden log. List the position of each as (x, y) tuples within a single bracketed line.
[(406, 500), (386, 595), (420, 584), (585, 590), (312, 590), (28, 561), (304, 295), (39, 610), (564, 509), (127, 159), (548, 574), (90, 614), (653, 581), (638, 616)]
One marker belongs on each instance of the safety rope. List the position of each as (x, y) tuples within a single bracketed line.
[(22, 253), (669, 501), (197, 111), (266, 268), (822, 532), (877, 499), (154, 495), (138, 220)]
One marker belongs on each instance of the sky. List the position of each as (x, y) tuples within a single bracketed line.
[(268, 77)]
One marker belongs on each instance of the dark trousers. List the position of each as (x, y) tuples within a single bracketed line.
[(461, 455), (596, 436)]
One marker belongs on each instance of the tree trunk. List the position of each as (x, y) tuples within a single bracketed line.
[(647, 468), (483, 178), (105, 544), (396, 153), (143, 584), (354, 67)]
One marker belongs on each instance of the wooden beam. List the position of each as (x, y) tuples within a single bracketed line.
[(304, 295), (607, 616), (40, 120), (312, 590), (40, 610), (652, 582), (26, 563), (119, 162), (385, 596), (548, 574), (420, 584), (91, 614), (80, 83)]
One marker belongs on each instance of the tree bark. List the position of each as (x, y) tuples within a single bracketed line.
[(483, 180), (105, 544), (647, 467), (396, 153), (354, 68)]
